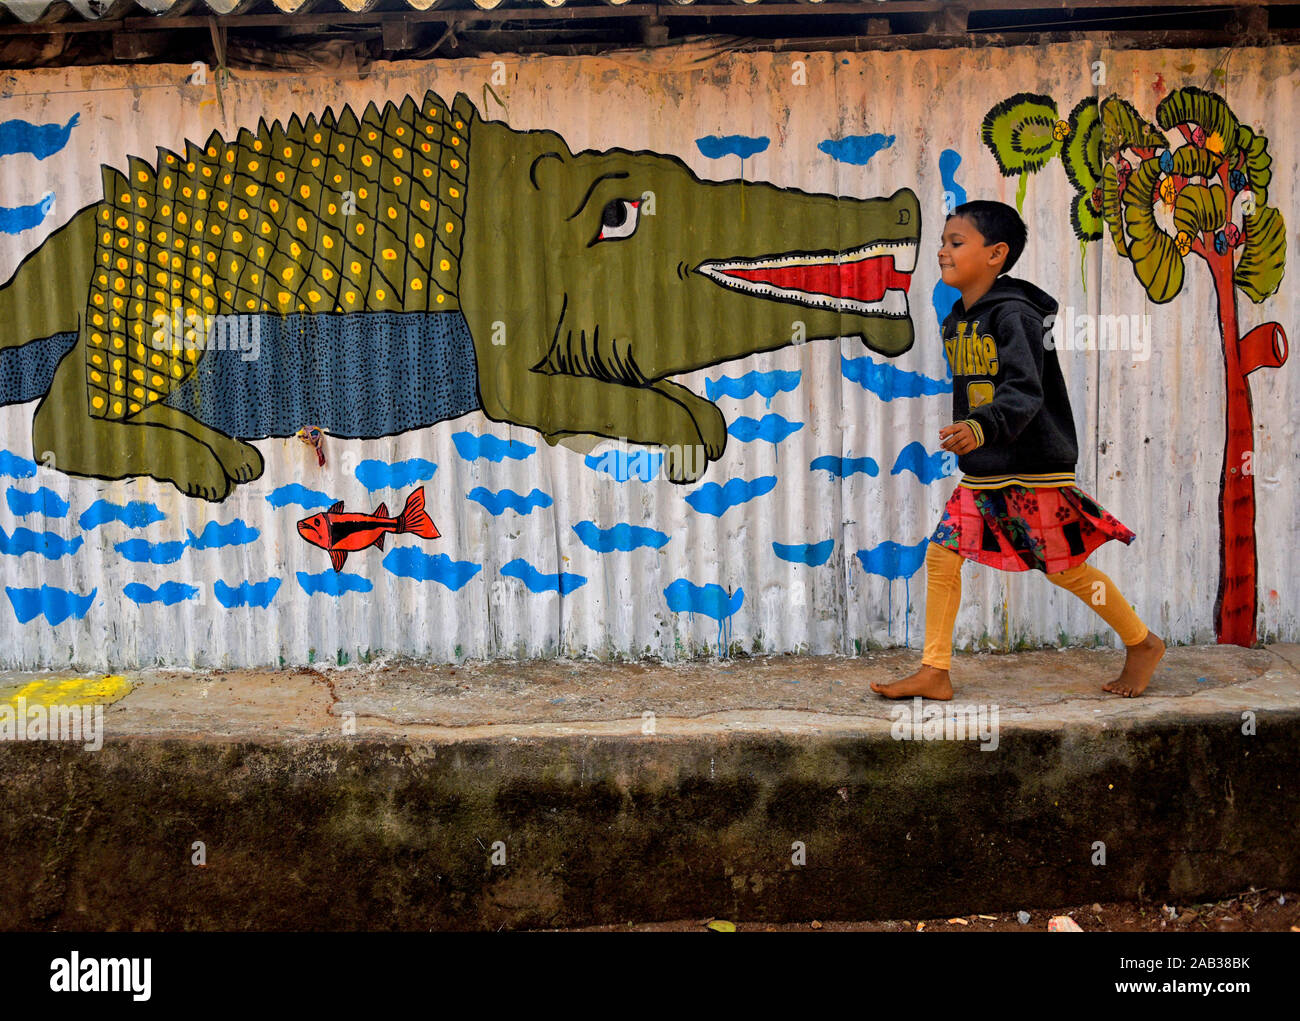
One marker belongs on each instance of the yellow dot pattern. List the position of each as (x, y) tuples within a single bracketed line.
[(324, 215)]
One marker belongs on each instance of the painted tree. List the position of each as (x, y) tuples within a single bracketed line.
[(1198, 185), (1024, 133), (1195, 185)]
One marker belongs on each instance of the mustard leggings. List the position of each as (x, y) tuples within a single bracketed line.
[(943, 594)]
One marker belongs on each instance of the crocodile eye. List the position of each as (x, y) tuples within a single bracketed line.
[(618, 220)]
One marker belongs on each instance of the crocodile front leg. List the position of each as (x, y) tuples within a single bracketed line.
[(556, 404)]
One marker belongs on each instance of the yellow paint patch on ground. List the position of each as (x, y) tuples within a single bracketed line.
[(71, 691)]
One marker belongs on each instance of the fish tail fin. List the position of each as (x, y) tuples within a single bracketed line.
[(414, 519)]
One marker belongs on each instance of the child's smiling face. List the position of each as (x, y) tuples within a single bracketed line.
[(964, 257)]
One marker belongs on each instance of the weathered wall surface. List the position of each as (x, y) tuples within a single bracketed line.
[(156, 536)]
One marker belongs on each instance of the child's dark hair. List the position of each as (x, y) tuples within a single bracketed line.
[(998, 222)]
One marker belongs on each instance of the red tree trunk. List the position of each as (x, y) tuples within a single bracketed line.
[(1235, 604)]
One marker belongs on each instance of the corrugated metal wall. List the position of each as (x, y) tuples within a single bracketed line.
[(1151, 431)]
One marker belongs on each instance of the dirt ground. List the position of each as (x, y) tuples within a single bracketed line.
[(1252, 911)]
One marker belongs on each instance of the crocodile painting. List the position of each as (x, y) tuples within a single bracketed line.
[(380, 273)]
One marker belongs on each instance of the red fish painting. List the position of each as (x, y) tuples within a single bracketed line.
[(340, 533)]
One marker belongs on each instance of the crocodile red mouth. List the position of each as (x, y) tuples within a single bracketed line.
[(871, 280)]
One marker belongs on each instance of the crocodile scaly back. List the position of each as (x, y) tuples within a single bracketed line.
[(326, 216)]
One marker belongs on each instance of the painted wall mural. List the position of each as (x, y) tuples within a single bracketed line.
[(245, 289), (1194, 183), (376, 368)]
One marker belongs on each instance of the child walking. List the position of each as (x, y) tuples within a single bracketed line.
[(1016, 507)]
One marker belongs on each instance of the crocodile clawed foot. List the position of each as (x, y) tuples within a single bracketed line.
[(246, 466)]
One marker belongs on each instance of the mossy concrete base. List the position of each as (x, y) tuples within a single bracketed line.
[(429, 826)]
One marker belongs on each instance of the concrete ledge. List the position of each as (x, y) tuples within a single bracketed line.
[(306, 828)]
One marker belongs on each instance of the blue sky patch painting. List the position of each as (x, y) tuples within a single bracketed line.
[(16, 467), (856, 149), (715, 147), (409, 562), (55, 603), (844, 466), (490, 448), (44, 501), (766, 384), (247, 593), (398, 475), (887, 382), (16, 219), (333, 584), (813, 554), (714, 499), (41, 140), (136, 514), (215, 536), (773, 428), (167, 593), (944, 296), (621, 464), (142, 551), (622, 537), (293, 493), (927, 467), (47, 544), (535, 581), (508, 499)]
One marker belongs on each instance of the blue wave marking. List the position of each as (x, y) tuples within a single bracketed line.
[(621, 465), (535, 581), (247, 593), (136, 514), (714, 499), (309, 499), (944, 297), (622, 537), (409, 562), (142, 551), (717, 146), (711, 600), (41, 140), (773, 428), (44, 501), (812, 554), (16, 219), (498, 503), (856, 149), (215, 535), (167, 593), (767, 384), (927, 467), (844, 466), (47, 544), (55, 603), (16, 467), (888, 382), (398, 475), (491, 448), (333, 584), (891, 560)]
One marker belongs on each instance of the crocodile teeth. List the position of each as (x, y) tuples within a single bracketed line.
[(847, 282)]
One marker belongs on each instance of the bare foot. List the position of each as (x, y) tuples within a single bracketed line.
[(1139, 665), (928, 682)]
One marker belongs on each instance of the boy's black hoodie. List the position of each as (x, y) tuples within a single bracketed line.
[(1008, 384)]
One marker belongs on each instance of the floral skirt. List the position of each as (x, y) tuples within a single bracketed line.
[(1019, 528)]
